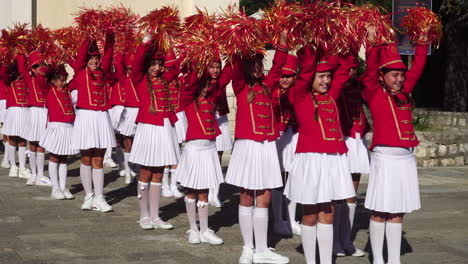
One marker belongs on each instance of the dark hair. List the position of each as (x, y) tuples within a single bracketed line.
[(13, 72), (247, 63), (54, 75), (387, 70)]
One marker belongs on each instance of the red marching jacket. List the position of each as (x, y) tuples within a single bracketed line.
[(91, 85), (60, 105), (3, 82), (122, 72), (17, 94), (159, 89), (225, 78), (200, 112), (256, 120), (284, 110), (392, 123), (37, 85), (323, 135), (352, 116), (116, 92)]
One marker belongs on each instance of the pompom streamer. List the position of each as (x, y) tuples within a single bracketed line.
[(93, 22), (13, 42), (68, 41), (122, 21), (418, 21), (164, 23)]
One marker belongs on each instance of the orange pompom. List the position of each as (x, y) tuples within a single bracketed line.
[(164, 23)]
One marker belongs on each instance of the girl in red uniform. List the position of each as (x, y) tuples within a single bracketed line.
[(155, 145), (254, 165), (319, 171), (393, 180), (199, 168), (92, 131), (57, 138), (3, 95)]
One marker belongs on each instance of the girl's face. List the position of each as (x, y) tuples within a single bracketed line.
[(214, 70), (156, 67), (321, 82), (352, 72), (39, 69), (287, 81), (60, 81), (393, 80), (204, 91), (255, 68), (94, 63)]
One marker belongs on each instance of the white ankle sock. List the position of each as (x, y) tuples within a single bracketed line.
[(12, 155), (143, 190), (325, 242), (120, 158), (63, 171), (98, 181), (246, 225), (40, 163), (22, 157), (309, 240), (203, 215), (292, 211), (393, 234), (191, 212), (108, 153), (126, 165), (173, 178), (352, 211), (86, 179), (53, 174), (260, 226), (376, 233), (33, 163), (154, 197), (165, 178)]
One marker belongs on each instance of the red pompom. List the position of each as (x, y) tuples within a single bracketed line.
[(421, 20), (13, 42), (122, 21), (164, 23), (68, 40)]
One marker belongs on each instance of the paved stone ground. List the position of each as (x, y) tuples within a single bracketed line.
[(36, 229)]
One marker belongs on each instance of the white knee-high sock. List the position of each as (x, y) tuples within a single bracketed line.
[(5, 153), (325, 242), (63, 171), (86, 178), (143, 191), (377, 233), (22, 157), (98, 181), (126, 165), (12, 155), (191, 212), (352, 211), (155, 197), (33, 163), (173, 178), (120, 157), (108, 153), (260, 226), (393, 234), (292, 211), (165, 178), (40, 163), (309, 240), (53, 174), (203, 215), (246, 224)]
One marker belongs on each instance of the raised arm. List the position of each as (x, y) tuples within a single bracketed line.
[(172, 66), (238, 78), (280, 58), (80, 61), (108, 53), (226, 75), (413, 74), (138, 61), (23, 67), (341, 76), (119, 67), (307, 64)]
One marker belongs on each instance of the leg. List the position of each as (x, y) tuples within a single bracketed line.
[(86, 178), (220, 156), (166, 190), (33, 159), (40, 161), (206, 235), (11, 148), (99, 202), (63, 171), (190, 200), (5, 161), (260, 220), (54, 161), (376, 233), (119, 152), (309, 231), (175, 192), (155, 196), (22, 152), (393, 229), (325, 232), (143, 198), (246, 224)]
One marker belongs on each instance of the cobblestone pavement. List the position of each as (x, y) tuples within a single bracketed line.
[(36, 229)]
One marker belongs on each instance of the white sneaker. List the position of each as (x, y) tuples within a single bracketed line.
[(210, 237), (134, 174), (68, 194), (340, 255), (296, 228), (13, 172), (128, 179), (57, 194), (88, 202), (268, 256), (110, 163), (358, 253), (5, 164), (43, 181), (193, 236), (31, 181), (159, 223), (166, 191), (145, 223), (122, 173), (175, 192), (24, 173), (100, 204), (246, 256)]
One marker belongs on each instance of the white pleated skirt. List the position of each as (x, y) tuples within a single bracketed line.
[(393, 183), (358, 157), (116, 115), (155, 146), (92, 129), (57, 138), (127, 125), (37, 124), (181, 126), (254, 165), (319, 178), (224, 140), (199, 166), (286, 145), (2, 110), (16, 122)]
